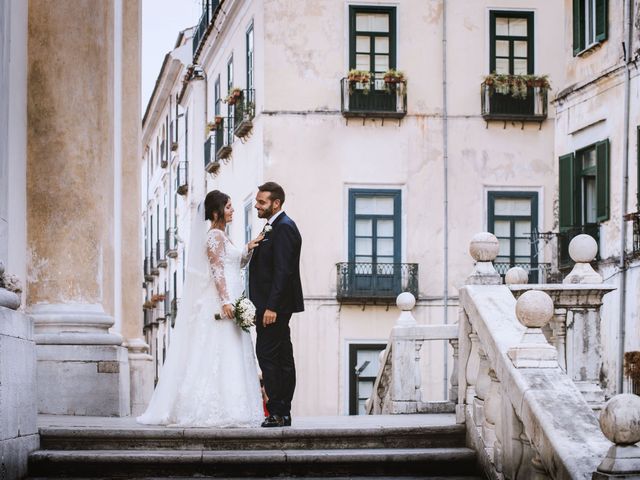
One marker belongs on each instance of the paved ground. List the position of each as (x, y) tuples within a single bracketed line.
[(338, 422)]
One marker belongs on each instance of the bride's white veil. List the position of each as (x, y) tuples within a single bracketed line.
[(193, 292)]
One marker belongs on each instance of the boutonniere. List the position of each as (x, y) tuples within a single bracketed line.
[(267, 228)]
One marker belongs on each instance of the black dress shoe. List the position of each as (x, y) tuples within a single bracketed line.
[(273, 421), (286, 420)]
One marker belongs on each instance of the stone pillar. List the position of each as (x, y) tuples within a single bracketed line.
[(140, 362), (73, 238)]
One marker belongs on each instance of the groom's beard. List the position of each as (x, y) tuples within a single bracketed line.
[(266, 213)]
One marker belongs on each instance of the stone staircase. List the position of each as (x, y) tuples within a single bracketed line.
[(418, 446)]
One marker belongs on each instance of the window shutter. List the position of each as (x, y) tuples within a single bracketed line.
[(567, 192), (578, 27), (602, 19), (602, 180)]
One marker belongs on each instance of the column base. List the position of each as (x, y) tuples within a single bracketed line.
[(141, 375), (83, 380)]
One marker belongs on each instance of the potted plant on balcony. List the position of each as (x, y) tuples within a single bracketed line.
[(157, 298), (392, 78), (234, 95), (359, 80), (516, 85), (148, 305), (217, 121)]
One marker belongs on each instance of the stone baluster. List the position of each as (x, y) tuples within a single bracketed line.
[(534, 309), (620, 423), (559, 335), (473, 365), (453, 388), (482, 389), (491, 415), (465, 389)]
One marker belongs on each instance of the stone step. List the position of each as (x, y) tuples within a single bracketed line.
[(259, 463), (139, 438)]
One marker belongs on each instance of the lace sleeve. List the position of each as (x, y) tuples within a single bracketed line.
[(246, 256), (216, 252)]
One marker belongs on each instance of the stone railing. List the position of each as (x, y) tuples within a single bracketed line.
[(398, 384), (526, 412)]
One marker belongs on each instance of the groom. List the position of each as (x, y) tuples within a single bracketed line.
[(276, 291)]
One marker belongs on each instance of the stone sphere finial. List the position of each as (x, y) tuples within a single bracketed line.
[(406, 301), (484, 247), (620, 419), (534, 308), (583, 248), (516, 276)]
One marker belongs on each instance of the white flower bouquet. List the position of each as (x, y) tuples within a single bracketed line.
[(244, 313)]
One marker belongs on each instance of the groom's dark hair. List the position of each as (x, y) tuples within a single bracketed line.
[(276, 192)]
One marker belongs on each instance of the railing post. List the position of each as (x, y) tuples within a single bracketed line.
[(484, 248), (620, 423), (453, 389)]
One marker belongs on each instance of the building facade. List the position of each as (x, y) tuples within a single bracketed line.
[(387, 178), (596, 143)]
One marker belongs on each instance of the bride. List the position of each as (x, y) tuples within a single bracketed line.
[(209, 378)]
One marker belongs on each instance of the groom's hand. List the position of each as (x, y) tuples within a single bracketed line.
[(269, 317)]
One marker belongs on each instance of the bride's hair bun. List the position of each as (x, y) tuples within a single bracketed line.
[(214, 203)]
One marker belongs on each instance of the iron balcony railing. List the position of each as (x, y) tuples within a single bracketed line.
[(565, 237), (635, 218), (160, 254), (375, 282), (223, 140), (148, 261), (152, 262), (504, 106), (538, 272), (211, 164), (209, 8), (374, 98), (171, 247), (182, 176), (243, 113)]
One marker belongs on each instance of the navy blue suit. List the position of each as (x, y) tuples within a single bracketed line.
[(274, 284)]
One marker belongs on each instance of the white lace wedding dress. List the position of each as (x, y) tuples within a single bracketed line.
[(210, 377)]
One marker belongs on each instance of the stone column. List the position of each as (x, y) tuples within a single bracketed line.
[(141, 363), (71, 189)]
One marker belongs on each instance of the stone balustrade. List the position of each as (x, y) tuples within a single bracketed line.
[(397, 386)]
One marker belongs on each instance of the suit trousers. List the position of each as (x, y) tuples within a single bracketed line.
[(275, 356)]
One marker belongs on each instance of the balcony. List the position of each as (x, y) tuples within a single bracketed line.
[(243, 113), (211, 164), (373, 99), (538, 272), (182, 175), (152, 263), (160, 254), (496, 105), (209, 12), (376, 283), (564, 238), (170, 244), (147, 269), (223, 141)]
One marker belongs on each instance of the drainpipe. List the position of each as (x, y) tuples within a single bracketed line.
[(445, 161), (625, 194)]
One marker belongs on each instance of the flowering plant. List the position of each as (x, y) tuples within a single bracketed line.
[(244, 313)]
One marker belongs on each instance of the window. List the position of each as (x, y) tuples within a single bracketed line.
[(584, 194), (250, 63), (372, 39), (230, 108), (216, 96), (590, 19), (513, 217), (363, 368), (230, 74), (511, 49)]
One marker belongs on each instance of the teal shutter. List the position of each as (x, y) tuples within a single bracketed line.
[(602, 19), (602, 180), (567, 192), (578, 27)]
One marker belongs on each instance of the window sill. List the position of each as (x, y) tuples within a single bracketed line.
[(587, 51)]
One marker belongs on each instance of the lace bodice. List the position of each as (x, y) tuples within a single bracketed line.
[(225, 265)]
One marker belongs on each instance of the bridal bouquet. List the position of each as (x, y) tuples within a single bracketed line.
[(245, 313)]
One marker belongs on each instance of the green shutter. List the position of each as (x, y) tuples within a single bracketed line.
[(602, 180), (578, 27), (602, 19), (567, 192)]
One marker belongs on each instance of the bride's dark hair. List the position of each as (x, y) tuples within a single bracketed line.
[(214, 204)]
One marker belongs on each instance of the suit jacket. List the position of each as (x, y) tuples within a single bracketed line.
[(274, 271)]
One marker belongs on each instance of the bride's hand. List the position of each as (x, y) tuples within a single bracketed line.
[(254, 243), (228, 310)]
